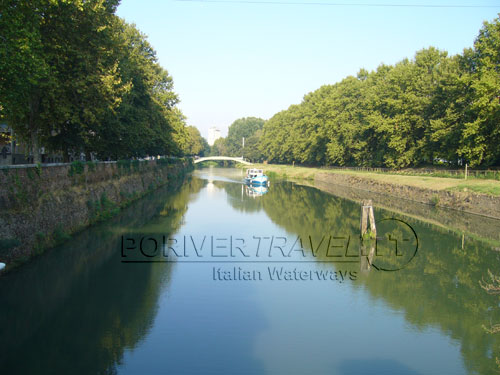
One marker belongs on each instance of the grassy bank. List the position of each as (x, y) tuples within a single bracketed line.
[(429, 199), (480, 186)]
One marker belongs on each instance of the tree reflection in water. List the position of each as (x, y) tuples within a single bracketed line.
[(99, 306), (439, 288)]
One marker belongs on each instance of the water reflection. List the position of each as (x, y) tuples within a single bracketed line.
[(439, 288), (255, 191), (77, 308)]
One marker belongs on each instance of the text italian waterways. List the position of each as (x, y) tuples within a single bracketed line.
[(281, 274)]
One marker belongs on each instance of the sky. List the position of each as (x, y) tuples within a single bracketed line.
[(255, 58)]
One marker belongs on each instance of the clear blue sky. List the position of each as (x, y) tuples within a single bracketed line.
[(236, 60)]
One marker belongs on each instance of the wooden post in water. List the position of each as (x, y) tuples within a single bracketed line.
[(367, 249), (367, 216)]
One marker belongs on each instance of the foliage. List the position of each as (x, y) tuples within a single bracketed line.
[(38, 170), (450, 288), (5, 138), (76, 167), (136, 164), (434, 201), (219, 148), (492, 286), (239, 129), (78, 79), (91, 166), (60, 235), (252, 149), (164, 161), (249, 128), (433, 109), (102, 209), (489, 189), (195, 144), (124, 165), (146, 118)]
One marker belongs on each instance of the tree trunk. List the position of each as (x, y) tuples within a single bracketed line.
[(35, 148), (35, 145)]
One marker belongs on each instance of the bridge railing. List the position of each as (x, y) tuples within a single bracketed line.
[(228, 158)]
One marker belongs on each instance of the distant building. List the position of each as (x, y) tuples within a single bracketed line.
[(213, 135)]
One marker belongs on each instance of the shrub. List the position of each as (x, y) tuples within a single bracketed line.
[(163, 161), (124, 164), (60, 235), (91, 166), (77, 167), (136, 164), (38, 170), (434, 200)]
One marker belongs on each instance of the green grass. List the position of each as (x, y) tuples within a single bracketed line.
[(482, 189), (288, 171), (425, 181), (434, 200), (486, 175)]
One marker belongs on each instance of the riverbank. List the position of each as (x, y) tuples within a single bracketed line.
[(42, 206), (477, 196)]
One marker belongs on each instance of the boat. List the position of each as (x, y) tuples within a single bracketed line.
[(254, 191), (256, 177)]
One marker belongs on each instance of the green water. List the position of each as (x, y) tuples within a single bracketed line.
[(97, 305)]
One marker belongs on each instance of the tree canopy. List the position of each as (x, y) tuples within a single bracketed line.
[(433, 109), (247, 128), (196, 145), (239, 129), (76, 78)]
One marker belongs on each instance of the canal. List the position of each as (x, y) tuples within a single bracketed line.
[(210, 277)]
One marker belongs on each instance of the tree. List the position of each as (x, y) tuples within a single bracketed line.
[(431, 109), (59, 77), (276, 142), (196, 144), (239, 129), (25, 79), (481, 133), (76, 78), (145, 121), (219, 148), (252, 149)]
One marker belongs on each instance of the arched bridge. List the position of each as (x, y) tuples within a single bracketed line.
[(217, 158)]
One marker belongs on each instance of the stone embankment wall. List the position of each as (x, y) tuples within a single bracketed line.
[(40, 206), (479, 204)]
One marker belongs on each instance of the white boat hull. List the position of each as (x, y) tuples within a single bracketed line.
[(256, 177), (260, 180)]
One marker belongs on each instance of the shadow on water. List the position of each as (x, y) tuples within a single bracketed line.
[(439, 288), (77, 308)]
